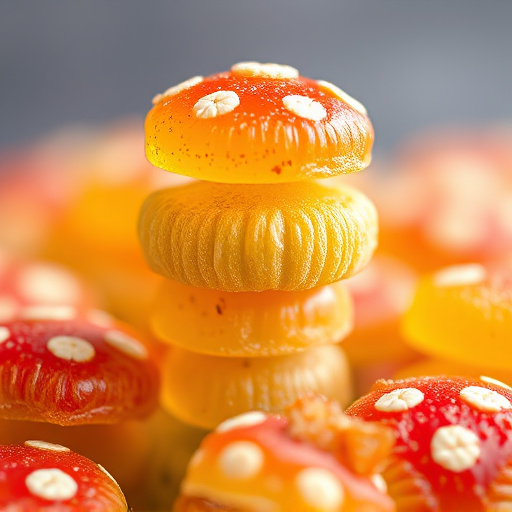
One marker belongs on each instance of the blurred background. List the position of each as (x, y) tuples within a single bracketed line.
[(414, 64)]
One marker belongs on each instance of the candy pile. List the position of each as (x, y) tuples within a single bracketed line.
[(254, 286), (251, 256)]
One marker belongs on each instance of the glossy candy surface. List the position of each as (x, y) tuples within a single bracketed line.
[(258, 237), (205, 390), (48, 477), (250, 324), (464, 313), (257, 462), (453, 447), (60, 369), (243, 127)]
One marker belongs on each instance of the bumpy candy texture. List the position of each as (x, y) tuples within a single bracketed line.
[(205, 390), (453, 447), (464, 313), (257, 124), (51, 478), (60, 369), (258, 237), (256, 462), (250, 324)]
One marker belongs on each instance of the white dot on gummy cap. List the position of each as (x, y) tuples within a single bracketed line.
[(455, 448), (268, 70), (51, 484), (42, 445), (5, 334), (320, 488), (496, 382), (71, 348), (241, 460), (247, 419), (398, 400), (48, 313), (304, 107), (342, 95), (485, 400), (48, 284), (459, 275), (216, 104), (126, 344), (175, 89)]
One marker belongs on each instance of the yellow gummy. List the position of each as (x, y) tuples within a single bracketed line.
[(250, 324), (468, 323), (206, 390), (292, 236)]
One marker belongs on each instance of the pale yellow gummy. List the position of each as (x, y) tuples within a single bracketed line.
[(206, 390), (292, 236)]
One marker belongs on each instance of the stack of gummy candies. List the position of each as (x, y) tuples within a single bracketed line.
[(253, 252)]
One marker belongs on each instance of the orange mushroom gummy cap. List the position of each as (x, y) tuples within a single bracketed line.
[(257, 123), (60, 369), (258, 462), (453, 447), (50, 477)]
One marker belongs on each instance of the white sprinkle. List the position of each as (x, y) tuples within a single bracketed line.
[(5, 334), (175, 89), (459, 275), (399, 400), (342, 95), (71, 348), (51, 484), (99, 318), (42, 445), (455, 448), (496, 382), (484, 399), (268, 70), (247, 419), (216, 104), (8, 308), (304, 107), (320, 488), (241, 460), (48, 284), (126, 344), (48, 313)]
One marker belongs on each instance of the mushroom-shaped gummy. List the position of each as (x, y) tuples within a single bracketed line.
[(37, 283), (313, 459), (257, 123), (60, 369), (51, 478), (453, 448), (464, 313)]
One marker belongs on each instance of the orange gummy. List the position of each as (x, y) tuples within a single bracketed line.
[(236, 128), (250, 324), (205, 390)]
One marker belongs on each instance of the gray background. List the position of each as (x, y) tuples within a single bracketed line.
[(413, 63)]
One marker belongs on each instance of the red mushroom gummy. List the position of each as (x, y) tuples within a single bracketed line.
[(60, 369), (453, 447), (40, 476)]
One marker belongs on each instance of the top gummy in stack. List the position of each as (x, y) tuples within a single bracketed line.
[(258, 123)]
